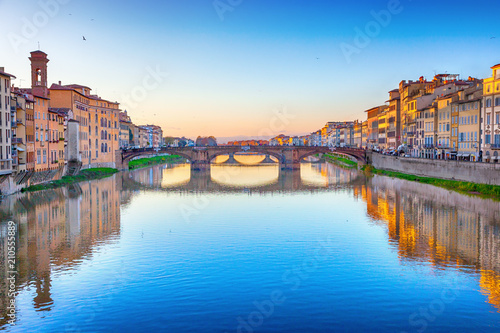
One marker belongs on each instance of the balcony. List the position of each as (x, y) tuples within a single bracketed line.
[(428, 146), (13, 124), (12, 109), (17, 140), (495, 146)]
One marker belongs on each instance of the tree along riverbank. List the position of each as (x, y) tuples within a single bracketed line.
[(145, 162), (483, 190), (87, 174)]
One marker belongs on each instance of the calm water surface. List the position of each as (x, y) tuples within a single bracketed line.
[(252, 249)]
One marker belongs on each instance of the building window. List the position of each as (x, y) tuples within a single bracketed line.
[(487, 139), (488, 103), (497, 101)]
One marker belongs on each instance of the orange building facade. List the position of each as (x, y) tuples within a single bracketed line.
[(98, 123)]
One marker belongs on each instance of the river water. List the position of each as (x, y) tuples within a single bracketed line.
[(252, 249)]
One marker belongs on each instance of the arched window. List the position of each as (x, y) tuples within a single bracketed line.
[(106, 147), (102, 147), (105, 135), (38, 78)]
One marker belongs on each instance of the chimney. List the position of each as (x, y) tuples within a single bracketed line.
[(60, 83), (2, 69)]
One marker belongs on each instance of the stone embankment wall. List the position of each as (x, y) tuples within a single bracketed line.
[(13, 183), (483, 173)]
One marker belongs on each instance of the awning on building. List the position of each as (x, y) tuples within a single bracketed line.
[(460, 155), (494, 158), (20, 149)]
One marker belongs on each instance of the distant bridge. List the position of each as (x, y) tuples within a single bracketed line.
[(289, 157)]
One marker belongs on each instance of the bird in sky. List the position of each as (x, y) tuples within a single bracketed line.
[(492, 37), (84, 38)]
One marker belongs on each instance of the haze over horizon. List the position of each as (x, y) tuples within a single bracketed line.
[(234, 69)]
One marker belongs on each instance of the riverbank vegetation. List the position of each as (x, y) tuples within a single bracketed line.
[(88, 174), (489, 191), (342, 161), (145, 162)]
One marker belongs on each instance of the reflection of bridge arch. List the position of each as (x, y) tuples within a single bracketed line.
[(287, 181)]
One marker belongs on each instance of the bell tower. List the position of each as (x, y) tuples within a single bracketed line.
[(39, 73)]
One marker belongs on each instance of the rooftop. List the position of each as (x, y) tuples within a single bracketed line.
[(6, 74)]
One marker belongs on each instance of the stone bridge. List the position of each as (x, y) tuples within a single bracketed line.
[(289, 157)]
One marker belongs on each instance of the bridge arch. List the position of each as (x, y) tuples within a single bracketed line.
[(144, 154), (358, 154), (311, 153), (276, 155)]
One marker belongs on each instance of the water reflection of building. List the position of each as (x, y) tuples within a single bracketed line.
[(327, 174), (435, 225), (56, 230)]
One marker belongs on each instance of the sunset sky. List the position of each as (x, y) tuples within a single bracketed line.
[(257, 68)]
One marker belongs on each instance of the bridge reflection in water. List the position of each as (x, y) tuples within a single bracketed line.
[(260, 178)]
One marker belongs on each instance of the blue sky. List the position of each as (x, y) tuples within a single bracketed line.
[(229, 77)]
